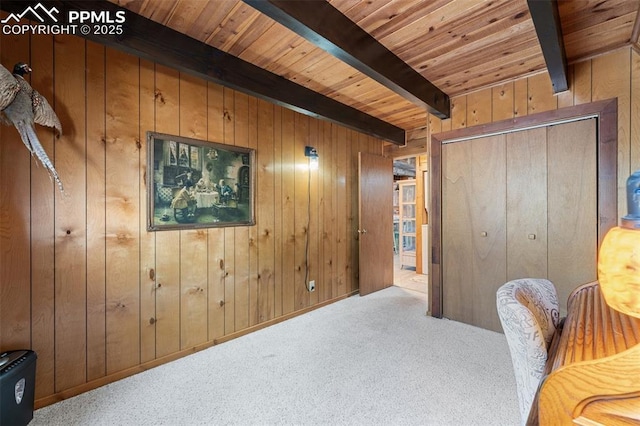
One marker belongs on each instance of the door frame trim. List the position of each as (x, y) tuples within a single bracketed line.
[(606, 114)]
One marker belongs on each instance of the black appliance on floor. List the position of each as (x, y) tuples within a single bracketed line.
[(17, 387)]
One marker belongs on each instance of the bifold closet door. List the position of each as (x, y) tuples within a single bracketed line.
[(517, 205), (572, 206), (474, 230), (527, 204)]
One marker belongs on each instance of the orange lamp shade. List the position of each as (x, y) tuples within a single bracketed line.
[(619, 270)]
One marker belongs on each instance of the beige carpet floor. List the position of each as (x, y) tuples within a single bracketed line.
[(373, 360)]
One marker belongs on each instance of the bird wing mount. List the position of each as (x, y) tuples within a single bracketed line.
[(43, 114)]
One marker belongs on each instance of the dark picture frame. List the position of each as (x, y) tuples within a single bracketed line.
[(198, 184)]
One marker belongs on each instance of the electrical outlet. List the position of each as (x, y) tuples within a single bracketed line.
[(312, 285)]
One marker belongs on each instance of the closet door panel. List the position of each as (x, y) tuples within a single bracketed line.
[(527, 204), (474, 256), (572, 212), (488, 227), (457, 247)]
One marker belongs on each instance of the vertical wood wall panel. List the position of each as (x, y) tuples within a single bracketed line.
[(611, 77), (335, 185), (241, 234), (446, 125), (301, 211), (194, 288), (540, 94), (314, 226), (565, 99), (96, 212), (228, 259), (520, 97), (502, 102), (477, 111), (167, 264), (581, 87), (122, 198), (253, 249), (147, 239), (458, 113), (70, 217), (434, 124), (325, 287), (352, 216), (215, 249), (193, 243), (288, 212), (265, 215), (42, 227), (342, 236), (279, 235), (216, 281)]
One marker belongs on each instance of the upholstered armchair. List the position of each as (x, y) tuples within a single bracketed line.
[(528, 311)]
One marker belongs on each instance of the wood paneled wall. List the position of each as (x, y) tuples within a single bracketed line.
[(96, 295)]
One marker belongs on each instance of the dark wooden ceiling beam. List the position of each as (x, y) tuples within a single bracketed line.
[(325, 26), (147, 39), (546, 20)]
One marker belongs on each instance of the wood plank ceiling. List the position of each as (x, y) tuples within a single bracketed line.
[(458, 45)]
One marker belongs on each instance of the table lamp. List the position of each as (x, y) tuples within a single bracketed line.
[(619, 260)]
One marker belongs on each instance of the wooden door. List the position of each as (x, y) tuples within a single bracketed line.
[(457, 244), (527, 204), (517, 205), (375, 218), (474, 251), (572, 211), (574, 163)]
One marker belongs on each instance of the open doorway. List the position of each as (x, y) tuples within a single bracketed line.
[(408, 229)]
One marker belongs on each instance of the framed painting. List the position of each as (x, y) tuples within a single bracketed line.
[(198, 184)]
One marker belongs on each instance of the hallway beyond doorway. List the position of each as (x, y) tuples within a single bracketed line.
[(408, 278)]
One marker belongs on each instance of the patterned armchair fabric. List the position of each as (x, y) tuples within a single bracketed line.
[(528, 311)]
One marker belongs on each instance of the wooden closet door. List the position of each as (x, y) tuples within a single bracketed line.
[(457, 247), (572, 206), (527, 204), (474, 250)]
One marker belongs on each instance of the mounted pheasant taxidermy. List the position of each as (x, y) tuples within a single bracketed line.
[(22, 106)]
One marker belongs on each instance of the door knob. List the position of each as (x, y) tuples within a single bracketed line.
[(363, 231), (483, 234)]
